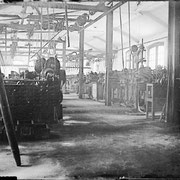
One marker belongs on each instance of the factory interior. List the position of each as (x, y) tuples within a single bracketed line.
[(89, 89)]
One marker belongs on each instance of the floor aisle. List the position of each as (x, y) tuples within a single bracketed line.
[(98, 142)]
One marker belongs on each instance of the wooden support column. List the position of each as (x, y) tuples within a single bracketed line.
[(5, 43), (173, 95), (29, 53), (64, 55), (48, 27), (109, 45), (64, 63), (29, 48), (81, 62), (8, 123), (41, 36)]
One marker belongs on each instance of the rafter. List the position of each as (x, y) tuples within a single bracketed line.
[(26, 40), (58, 49), (101, 39), (93, 47), (27, 47), (155, 18), (10, 15), (35, 31), (18, 26), (61, 5), (45, 17), (126, 34), (104, 14)]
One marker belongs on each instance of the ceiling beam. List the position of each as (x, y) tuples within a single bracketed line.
[(10, 16), (18, 26), (124, 22), (25, 65), (26, 40), (155, 18), (22, 54), (2, 7), (104, 14), (101, 39), (36, 17), (59, 49), (18, 53), (93, 47), (61, 5), (141, 13), (116, 29), (27, 47), (35, 31)]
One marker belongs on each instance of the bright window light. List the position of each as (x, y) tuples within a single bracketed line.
[(156, 56)]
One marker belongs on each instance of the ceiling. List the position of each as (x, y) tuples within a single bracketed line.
[(148, 20)]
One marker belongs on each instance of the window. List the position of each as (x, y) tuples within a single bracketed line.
[(156, 55)]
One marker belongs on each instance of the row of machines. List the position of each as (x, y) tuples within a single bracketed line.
[(35, 99)]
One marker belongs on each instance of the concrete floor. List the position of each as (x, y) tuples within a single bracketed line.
[(98, 142)]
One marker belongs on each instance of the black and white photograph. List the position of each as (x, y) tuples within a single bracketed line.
[(89, 89)]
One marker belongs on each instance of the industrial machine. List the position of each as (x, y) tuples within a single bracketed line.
[(35, 99)]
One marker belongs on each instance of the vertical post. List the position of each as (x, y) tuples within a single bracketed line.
[(48, 26), (5, 43), (64, 55), (109, 45), (29, 53), (122, 46), (147, 102), (41, 29), (153, 103), (29, 48), (173, 96), (129, 26), (67, 26), (81, 62), (8, 123), (64, 61)]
